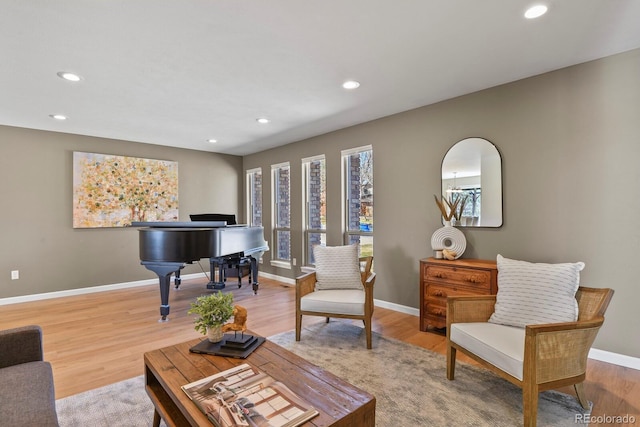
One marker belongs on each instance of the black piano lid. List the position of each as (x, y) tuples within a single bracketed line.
[(178, 224)]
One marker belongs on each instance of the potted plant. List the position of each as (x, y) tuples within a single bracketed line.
[(213, 311)]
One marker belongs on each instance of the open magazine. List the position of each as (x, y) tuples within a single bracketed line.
[(245, 396)]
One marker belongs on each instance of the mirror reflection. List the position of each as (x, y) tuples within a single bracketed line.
[(472, 169)]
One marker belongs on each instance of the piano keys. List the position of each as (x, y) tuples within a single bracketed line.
[(166, 247)]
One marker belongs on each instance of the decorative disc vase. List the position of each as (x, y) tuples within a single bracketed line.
[(214, 333), (449, 237)]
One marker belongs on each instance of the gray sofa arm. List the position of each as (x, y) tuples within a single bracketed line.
[(20, 345)]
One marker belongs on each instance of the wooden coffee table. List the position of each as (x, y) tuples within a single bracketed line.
[(340, 404)]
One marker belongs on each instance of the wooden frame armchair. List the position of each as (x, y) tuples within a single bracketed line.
[(360, 301), (553, 355)]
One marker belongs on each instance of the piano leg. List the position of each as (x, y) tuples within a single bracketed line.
[(164, 270), (253, 276), (177, 280)]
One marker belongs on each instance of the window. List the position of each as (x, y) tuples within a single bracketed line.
[(314, 207), (473, 204), (358, 198), (472, 197), (254, 197), (280, 195)]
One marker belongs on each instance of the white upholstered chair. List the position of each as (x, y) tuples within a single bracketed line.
[(536, 356), (341, 287)]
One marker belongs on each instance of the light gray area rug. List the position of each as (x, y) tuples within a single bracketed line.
[(409, 384), (123, 404)]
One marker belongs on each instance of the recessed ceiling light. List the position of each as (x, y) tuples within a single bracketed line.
[(350, 84), (58, 116), (72, 77), (213, 141), (263, 120), (535, 11)]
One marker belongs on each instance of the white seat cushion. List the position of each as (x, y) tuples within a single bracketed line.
[(500, 345), (338, 301)]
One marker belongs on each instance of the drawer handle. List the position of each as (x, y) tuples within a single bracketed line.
[(439, 276), (439, 312), (474, 279), (440, 293)]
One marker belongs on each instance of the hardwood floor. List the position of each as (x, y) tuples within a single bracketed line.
[(97, 339)]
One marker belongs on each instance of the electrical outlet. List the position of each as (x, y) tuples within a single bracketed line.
[(15, 274), (293, 261)]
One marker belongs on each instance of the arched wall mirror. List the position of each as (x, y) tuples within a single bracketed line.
[(472, 169)]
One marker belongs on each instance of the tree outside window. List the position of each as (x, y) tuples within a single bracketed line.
[(282, 212), (254, 197), (315, 209), (358, 173)]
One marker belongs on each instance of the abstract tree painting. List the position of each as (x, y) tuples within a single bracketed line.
[(113, 191)]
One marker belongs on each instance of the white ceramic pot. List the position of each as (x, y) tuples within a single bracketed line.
[(214, 333)]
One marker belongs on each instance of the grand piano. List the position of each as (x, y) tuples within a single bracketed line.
[(166, 247)]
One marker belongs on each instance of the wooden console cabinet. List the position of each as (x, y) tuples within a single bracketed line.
[(442, 278)]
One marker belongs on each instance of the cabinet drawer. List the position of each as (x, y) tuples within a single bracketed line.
[(467, 277), (437, 310), (442, 291)]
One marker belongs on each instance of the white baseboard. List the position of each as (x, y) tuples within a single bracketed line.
[(89, 290), (397, 307), (615, 358), (594, 353), (284, 280)]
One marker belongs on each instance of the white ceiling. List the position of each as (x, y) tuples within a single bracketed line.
[(178, 72)]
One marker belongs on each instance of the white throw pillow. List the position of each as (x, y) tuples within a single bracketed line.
[(536, 293), (337, 267)]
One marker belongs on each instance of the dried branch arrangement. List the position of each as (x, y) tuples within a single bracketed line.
[(451, 210)]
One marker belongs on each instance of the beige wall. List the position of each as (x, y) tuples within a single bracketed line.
[(36, 224), (570, 147)]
